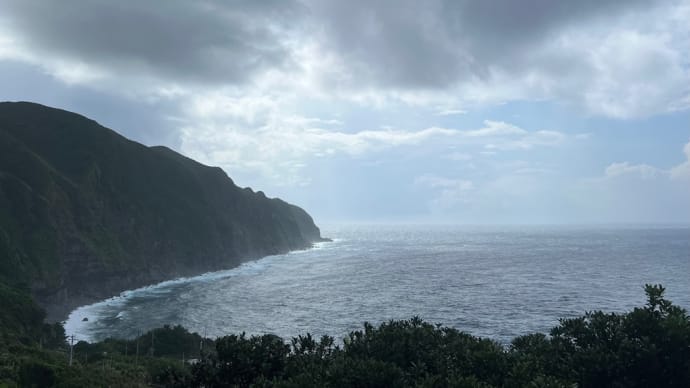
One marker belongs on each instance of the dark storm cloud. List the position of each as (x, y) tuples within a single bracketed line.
[(391, 42), (396, 43), (202, 41), (407, 43)]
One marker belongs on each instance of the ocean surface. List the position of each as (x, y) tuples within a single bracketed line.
[(496, 282)]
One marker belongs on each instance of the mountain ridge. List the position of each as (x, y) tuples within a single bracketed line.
[(86, 213)]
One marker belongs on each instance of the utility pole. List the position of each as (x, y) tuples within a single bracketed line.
[(71, 349), (136, 360), (201, 343)]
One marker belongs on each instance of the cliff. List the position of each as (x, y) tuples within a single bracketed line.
[(86, 213)]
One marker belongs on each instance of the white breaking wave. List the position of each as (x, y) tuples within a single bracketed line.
[(82, 321)]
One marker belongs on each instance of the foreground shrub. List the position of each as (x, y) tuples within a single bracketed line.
[(648, 346)]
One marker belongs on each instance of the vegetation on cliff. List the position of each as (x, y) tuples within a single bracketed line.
[(648, 346), (86, 213)]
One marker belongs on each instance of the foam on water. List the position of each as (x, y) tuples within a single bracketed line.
[(83, 329)]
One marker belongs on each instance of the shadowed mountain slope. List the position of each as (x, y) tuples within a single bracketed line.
[(86, 213)]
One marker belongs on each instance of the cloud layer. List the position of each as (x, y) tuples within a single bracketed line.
[(206, 42), (604, 56), (458, 107)]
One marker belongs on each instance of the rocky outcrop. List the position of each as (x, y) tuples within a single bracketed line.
[(86, 213)]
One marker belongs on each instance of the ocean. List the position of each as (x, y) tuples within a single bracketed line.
[(491, 281)]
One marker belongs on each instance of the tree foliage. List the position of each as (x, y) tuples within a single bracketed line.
[(648, 346)]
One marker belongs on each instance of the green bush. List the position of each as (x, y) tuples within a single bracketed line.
[(36, 374), (648, 346)]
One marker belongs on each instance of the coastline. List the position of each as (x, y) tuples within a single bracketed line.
[(316, 290), (73, 318), (58, 307)]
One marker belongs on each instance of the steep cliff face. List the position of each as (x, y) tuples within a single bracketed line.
[(86, 213)]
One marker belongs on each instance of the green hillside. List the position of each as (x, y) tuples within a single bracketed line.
[(86, 213)]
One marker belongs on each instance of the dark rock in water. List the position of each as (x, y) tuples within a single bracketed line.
[(85, 319), (86, 213)]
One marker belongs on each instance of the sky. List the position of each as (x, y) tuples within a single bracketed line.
[(441, 111)]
